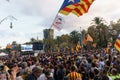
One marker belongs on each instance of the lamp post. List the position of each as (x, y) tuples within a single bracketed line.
[(9, 17)]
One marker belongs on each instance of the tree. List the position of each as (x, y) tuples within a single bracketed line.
[(65, 42), (32, 40), (74, 38), (99, 31), (115, 29), (58, 41), (16, 46)]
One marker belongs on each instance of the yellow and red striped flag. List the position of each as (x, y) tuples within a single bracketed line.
[(94, 45), (77, 7), (9, 46), (85, 41), (89, 38), (78, 47), (117, 43), (106, 50), (72, 50)]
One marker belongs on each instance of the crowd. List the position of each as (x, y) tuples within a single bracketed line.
[(86, 65)]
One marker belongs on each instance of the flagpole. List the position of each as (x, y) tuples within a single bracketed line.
[(56, 16), (52, 25), (49, 30), (49, 37), (53, 21)]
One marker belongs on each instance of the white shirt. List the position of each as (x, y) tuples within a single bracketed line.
[(42, 77)]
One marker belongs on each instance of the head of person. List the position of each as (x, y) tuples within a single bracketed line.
[(96, 71), (37, 70), (73, 68), (47, 73), (114, 71)]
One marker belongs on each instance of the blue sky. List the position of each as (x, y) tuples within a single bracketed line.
[(35, 15)]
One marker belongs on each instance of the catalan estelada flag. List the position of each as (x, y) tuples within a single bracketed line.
[(85, 41), (8, 46), (77, 7), (94, 45), (72, 50), (78, 47), (117, 43), (89, 38)]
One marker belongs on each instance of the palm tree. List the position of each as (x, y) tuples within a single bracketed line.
[(100, 30)]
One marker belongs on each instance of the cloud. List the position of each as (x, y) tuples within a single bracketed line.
[(35, 15)]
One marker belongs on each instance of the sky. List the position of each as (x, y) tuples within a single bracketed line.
[(33, 16)]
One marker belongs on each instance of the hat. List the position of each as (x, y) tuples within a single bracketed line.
[(36, 68), (25, 64)]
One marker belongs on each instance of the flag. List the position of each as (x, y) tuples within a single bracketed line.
[(58, 50), (85, 41), (94, 45), (89, 38), (106, 50), (117, 43), (9, 46), (82, 7), (77, 7), (78, 47), (72, 50), (58, 22)]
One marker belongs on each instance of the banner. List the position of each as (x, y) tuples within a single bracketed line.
[(58, 23)]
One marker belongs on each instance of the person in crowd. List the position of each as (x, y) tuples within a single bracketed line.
[(42, 76), (36, 72), (48, 76), (60, 73), (74, 75), (87, 65)]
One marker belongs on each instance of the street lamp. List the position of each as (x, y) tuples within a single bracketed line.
[(9, 17), (11, 25)]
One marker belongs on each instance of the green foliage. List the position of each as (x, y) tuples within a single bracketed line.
[(101, 33), (99, 30)]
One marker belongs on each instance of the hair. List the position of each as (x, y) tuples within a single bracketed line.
[(47, 73), (96, 71), (72, 68)]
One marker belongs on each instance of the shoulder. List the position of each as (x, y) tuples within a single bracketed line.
[(30, 77), (42, 77)]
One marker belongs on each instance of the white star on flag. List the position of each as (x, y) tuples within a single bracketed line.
[(71, 1)]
